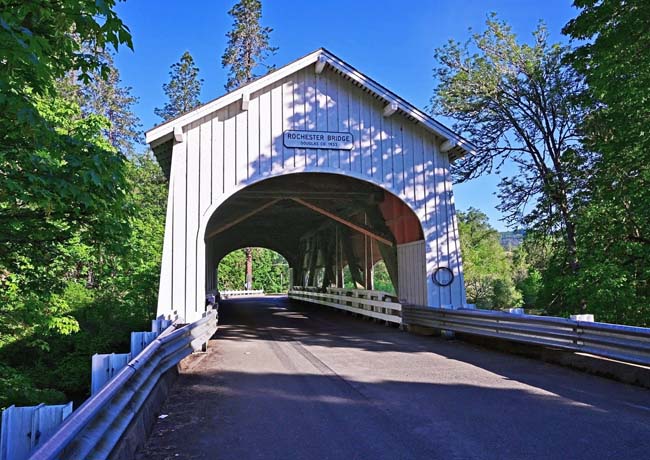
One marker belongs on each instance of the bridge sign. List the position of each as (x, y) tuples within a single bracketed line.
[(318, 140)]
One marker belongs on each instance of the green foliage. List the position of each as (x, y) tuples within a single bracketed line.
[(18, 389), (232, 271), (614, 229), (518, 104), (104, 295), (270, 271), (105, 95), (248, 44), (42, 40), (78, 265), (487, 267), (381, 278), (183, 90)]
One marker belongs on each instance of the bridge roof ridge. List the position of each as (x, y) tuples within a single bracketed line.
[(457, 146)]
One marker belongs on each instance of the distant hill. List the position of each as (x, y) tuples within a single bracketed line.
[(510, 240)]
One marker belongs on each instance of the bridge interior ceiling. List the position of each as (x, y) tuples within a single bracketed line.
[(320, 223)]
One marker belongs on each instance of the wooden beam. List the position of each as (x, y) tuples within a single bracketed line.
[(447, 145), (366, 197), (390, 109), (241, 218), (351, 257), (345, 222), (178, 134), (245, 99), (320, 64)]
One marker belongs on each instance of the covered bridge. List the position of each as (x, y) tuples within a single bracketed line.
[(323, 165)]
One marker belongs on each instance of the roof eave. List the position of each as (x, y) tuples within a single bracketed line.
[(164, 132)]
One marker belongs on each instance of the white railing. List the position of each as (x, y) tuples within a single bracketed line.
[(231, 294), (95, 429), (624, 343), (374, 304)]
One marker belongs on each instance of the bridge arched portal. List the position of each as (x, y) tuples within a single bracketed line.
[(320, 223), (320, 164)]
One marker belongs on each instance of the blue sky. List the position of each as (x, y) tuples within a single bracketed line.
[(391, 41)]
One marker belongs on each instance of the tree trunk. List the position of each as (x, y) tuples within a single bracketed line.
[(249, 268)]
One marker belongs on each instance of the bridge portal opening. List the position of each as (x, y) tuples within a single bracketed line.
[(333, 231), (270, 271)]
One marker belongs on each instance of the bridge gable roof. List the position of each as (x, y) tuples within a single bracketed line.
[(160, 136)]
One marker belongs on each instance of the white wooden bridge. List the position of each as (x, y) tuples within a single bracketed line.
[(322, 164)]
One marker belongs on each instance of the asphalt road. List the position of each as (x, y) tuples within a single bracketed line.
[(289, 381)]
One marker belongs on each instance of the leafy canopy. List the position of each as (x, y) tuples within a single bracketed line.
[(486, 266), (517, 102), (614, 229), (42, 40)]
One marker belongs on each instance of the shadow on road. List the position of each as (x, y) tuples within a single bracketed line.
[(288, 380)]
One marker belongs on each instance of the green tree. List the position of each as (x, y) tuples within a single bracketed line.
[(486, 266), (183, 90), (270, 271), (64, 187), (105, 95), (41, 41), (58, 203), (381, 278), (614, 229), (248, 44), (517, 102), (232, 271)]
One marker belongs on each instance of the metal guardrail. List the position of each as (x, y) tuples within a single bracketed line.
[(230, 294), (362, 302), (624, 343), (93, 430)]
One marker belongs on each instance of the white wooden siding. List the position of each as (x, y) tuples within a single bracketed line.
[(412, 275), (231, 148)]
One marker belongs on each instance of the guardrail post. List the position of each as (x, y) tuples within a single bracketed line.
[(579, 331), (446, 333), (25, 428), (584, 317)]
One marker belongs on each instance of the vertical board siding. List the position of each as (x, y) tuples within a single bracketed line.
[(332, 109), (242, 137), (229, 149), (364, 136), (409, 177), (292, 116), (432, 216), (179, 167), (440, 177), (253, 130), (412, 273), (277, 160), (205, 171), (192, 213), (298, 119), (166, 285), (456, 289), (343, 108), (265, 132), (355, 129), (232, 147), (217, 155)]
